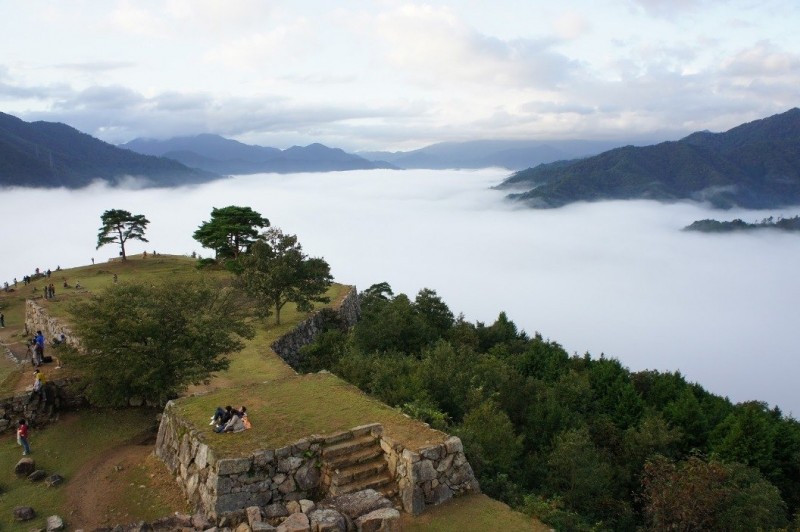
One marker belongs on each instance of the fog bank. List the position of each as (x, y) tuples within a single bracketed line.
[(618, 278)]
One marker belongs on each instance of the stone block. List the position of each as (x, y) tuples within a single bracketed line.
[(25, 466), (383, 520), (290, 464), (295, 523), (232, 501), (354, 505), (283, 452), (253, 515), (201, 456), (375, 429), (306, 505), (307, 477), (275, 510), (445, 463), (410, 456), (233, 466), (327, 520), (434, 452), (453, 445), (287, 486), (424, 471), (262, 458), (300, 446)]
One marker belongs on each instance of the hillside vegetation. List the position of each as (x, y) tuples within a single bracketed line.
[(579, 441), (755, 165), (282, 405)]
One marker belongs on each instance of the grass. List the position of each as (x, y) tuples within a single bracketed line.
[(63, 448), (471, 513), (282, 405)]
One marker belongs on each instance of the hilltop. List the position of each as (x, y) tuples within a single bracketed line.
[(755, 165), (50, 154)]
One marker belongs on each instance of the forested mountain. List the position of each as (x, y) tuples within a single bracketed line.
[(226, 156), (755, 165), (49, 154), (581, 442), (511, 154)]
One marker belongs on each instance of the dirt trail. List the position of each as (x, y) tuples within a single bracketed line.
[(93, 492)]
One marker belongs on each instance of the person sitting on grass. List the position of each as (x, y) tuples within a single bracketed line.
[(237, 423), (221, 416)]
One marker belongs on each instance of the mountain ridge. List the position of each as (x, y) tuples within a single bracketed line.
[(753, 165), (52, 154), (215, 153)]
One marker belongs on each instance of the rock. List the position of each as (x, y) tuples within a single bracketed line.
[(200, 522), (24, 513), (37, 475), (243, 527), (306, 506), (54, 480), (254, 515), (354, 505), (261, 526), (307, 477), (327, 520), (54, 522), (25, 466), (275, 511), (383, 520), (293, 507), (295, 523)]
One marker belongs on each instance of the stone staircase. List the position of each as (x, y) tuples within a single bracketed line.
[(356, 464)]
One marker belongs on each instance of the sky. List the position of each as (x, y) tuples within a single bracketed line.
[(397, 75), (618, 277)]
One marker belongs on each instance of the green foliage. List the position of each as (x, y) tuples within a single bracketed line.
[(230, 231), (715, 226), (151, 340), (276, 272), (120, 226), (696, 494), (570, 435)]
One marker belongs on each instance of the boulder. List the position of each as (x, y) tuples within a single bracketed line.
[(25, 466), (36, 476), (306, 505), (54, 480), (200, 522), (253, 515), (275, 510), (295, 523), (243, 527), (383, 520), (307, 477), (327, 520), (293, 507), (24, 513), (354, 505), (54, 522)]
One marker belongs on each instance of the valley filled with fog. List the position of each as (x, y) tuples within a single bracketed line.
[(619, 278)]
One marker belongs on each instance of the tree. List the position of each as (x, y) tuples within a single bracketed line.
[(230, 231), (120, 226), (276, 272), (151, 341)]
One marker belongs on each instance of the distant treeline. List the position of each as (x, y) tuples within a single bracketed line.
[(715, 226), (581, 442)]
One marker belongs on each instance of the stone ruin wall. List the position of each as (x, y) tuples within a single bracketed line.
[(216, 487), (288, 346), (60, 393), (38, 319)]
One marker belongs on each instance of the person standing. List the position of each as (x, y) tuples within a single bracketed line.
[(2, 320), (22, 437), (39, 347)]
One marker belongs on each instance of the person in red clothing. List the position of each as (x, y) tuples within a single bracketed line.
[(22, 437)]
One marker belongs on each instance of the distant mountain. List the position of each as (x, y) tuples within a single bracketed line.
[(511, 154), (755, 165), (218, 154), (49, 154)]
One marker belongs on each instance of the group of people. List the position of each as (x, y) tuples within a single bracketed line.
[(229, 419), (49, 291)]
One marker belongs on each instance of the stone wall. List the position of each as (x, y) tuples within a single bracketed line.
[(431, 476), (217, 486), (38, 319), (59, 394), (345, 315)]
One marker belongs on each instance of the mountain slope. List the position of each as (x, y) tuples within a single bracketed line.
[(218, 154), (49, 154), (754, 165), (511, 154)]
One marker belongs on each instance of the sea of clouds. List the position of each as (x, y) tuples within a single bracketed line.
[(618, 278)]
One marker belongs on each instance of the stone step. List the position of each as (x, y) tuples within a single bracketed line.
[(360, 471), (377, 482), (349, 446), (359, 456)]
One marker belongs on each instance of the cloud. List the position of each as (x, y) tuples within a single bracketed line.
[(95, 66), (618, 278)]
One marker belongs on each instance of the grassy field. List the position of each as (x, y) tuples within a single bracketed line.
[(283, 407)]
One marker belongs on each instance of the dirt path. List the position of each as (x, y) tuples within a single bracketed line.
[(93, 492), (120, 486)]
